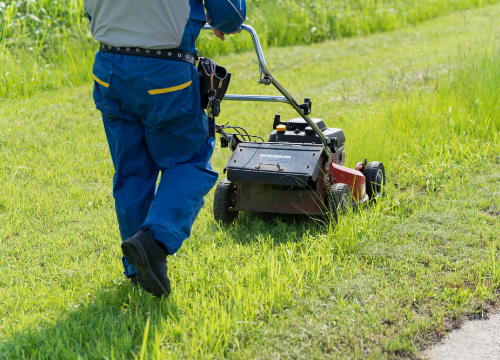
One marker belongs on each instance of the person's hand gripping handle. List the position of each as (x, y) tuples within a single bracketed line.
[(221, 34)]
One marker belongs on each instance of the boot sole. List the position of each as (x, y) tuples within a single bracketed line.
[(136, 255)]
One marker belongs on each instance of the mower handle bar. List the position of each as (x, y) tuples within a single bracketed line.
[(286, 98), (265, 98)]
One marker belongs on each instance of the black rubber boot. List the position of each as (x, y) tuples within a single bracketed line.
[(150, 261)]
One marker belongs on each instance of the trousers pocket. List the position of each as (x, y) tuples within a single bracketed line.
[(102, 86), (106, 95), (170, 97), (102, 79)]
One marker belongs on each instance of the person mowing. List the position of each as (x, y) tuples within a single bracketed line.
[(146, 86)]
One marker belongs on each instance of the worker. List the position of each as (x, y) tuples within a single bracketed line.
[(146, 86)]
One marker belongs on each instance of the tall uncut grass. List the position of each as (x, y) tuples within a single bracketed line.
[(46, 44), (452, 132)]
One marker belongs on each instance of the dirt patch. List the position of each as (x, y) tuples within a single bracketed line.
[(491, 210)]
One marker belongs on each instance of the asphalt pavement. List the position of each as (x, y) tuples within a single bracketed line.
[(478, 339)]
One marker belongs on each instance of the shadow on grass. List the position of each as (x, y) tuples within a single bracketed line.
[(281, 228), (110, 326), (250, 227)]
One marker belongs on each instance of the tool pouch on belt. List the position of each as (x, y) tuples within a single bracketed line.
[(214, 81)]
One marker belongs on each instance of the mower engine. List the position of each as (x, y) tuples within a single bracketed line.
[(298, 131)]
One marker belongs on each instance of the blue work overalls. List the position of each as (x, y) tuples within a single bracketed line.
[(154, 122)]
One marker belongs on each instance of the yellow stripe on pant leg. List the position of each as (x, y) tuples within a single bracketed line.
[(169, 89), (100, 81)]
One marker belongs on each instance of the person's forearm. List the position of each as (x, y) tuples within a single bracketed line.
[(226, 15)]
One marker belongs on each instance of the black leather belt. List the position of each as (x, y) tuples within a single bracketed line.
[(170, 54)]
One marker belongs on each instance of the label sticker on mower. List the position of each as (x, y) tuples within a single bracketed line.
[(279, 159)]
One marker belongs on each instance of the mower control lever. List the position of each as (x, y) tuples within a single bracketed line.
[(306, 106), (277, 121), (266, 80)]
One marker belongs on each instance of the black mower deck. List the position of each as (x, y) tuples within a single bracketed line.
[(275, 163)]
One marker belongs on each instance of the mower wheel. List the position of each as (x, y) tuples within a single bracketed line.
[(224, 199), (375, 180), (339, 200)]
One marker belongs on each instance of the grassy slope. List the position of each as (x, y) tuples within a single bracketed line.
[(385, 281)]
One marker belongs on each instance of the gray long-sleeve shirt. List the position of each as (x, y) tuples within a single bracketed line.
[(159, 24)]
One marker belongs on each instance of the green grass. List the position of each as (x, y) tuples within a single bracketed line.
[(385, 281), (46, 44)]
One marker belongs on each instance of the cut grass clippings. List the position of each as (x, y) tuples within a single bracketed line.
[(388, 279)]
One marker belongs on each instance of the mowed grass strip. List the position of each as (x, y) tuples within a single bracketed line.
[(386, 280)]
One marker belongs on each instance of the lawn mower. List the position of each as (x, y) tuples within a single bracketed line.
[(299, 170)]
